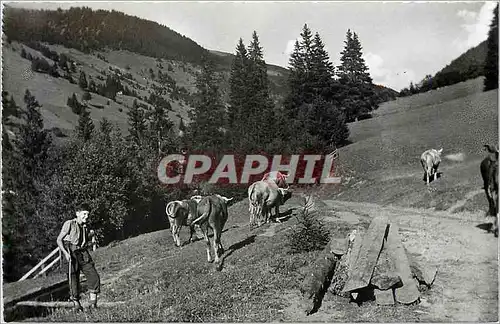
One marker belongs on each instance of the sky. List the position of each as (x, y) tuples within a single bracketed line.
[(402, 41)]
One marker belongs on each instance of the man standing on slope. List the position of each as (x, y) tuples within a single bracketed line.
[(72, 241)]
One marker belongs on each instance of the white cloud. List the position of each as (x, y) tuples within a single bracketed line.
[(382, 75), (476, 26), (289, 47)]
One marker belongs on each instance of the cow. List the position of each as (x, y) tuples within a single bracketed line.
[(489, 173), (278, 177), (264, 195), (211, 212), (177, 212), (430, 160)]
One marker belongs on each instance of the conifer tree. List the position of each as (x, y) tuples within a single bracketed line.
[(355, 93), (105, 126), (137, 123), (24, 168), (85, 127), (238, 100), (82, 81), (207, 117), (160, 127), (262, 114), (491, 64)]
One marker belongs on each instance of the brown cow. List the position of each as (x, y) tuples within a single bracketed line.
[(489, 173), (262, 197), (177, 212), (211, 212)]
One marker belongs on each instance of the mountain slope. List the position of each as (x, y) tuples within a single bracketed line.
[(148, 59)]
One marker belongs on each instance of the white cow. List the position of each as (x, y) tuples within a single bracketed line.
[(264, 195), (430, 161)]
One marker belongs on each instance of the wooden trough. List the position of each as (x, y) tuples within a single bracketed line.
[(373, 265)]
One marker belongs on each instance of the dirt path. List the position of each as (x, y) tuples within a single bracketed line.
[(466, 286)]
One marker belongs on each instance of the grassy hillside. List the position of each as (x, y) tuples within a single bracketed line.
[(384, 158)]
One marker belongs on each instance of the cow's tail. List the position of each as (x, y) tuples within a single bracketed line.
[(203, 216), (255, 201), (171, 209)]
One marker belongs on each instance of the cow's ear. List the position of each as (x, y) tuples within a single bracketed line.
[(440, 150)]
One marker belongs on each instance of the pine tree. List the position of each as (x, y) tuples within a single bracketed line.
[(159, 129), (85, 127), (354, 93), (491, 64), (137, 123), (82, 81), (105, 126), (207, 117), (261, 111), (24, 169), (238, 99), (323, 70)]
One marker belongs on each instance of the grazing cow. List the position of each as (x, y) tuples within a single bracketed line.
[(177, 212), (489, 173), (430, 160), (211, 212), (263, 196), (278, 177)]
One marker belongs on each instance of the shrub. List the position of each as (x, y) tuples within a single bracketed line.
[(86, 96), (310, 233)]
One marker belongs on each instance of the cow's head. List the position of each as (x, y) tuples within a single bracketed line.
[(196, 198), (285, 193), (225, 199), (493, 150)]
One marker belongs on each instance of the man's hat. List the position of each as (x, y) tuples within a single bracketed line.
[(83, 206)]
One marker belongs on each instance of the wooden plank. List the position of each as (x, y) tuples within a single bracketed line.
[(384, 297), (39, 264), (368, 255), (26, 289), (408, 293), (385, 275), (315, 283), (424, 274), (63, 304), (47, 267)]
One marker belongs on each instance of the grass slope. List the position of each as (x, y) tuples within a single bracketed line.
[(385, 156)]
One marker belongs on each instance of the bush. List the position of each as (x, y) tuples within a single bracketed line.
[(58, 132), (86, 96), (310, 233), (365, 116)]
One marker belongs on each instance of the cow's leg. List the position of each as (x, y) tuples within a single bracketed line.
[(491, 203), (177, 238), (191, 231), (174, 230), (217, 245), (252, 215), (204, 229), (278, 214)]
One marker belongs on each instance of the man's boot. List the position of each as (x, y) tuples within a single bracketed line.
[(93, 301), (76, 305)]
